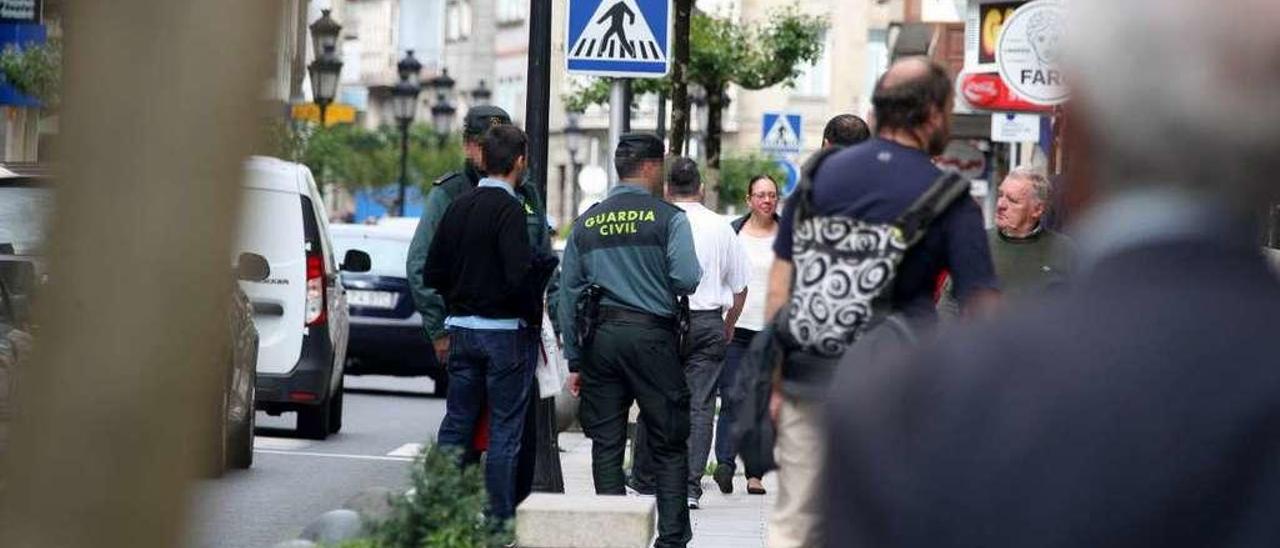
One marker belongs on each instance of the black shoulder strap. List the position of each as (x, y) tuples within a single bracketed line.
[(803, 195), (740, 222), (915, 221)]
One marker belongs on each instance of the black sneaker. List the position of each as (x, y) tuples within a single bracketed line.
[(724, 478), (641, 490)]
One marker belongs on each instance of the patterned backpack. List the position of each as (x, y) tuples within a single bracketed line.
[(845, 267)]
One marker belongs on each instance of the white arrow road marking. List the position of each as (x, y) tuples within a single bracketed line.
[(407, 450), (280, 444), (334, 455)]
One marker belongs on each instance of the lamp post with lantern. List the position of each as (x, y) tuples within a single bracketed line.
[(573, 142), (442, 112), (327, 66), (481, 95), (404, 105)]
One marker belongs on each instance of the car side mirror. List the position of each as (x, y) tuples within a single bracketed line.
[(356, 261), (253, 268)]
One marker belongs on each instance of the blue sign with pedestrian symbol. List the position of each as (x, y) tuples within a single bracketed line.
[(619, 38), (781, 133)]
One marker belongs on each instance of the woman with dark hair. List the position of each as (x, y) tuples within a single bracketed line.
[(756, 231)]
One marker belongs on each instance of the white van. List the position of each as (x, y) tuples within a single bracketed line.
[(301, 309)]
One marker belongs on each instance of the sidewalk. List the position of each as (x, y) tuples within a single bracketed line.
[(724, 521)]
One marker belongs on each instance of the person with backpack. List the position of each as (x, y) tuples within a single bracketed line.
[(862, 241)]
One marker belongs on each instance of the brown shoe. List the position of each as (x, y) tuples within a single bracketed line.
[(755, 486)]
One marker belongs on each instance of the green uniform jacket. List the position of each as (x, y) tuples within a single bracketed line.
[(428, 303), (638, 248)]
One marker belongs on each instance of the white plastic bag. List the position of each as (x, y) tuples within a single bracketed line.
[(552, 371)]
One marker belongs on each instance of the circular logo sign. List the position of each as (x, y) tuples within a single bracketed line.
[(1029, 52)]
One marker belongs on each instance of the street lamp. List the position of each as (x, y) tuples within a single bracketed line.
[(404, 105), (443, 84), (324, 33), (326, 67), (442, 112), (324, 80), (410, 69), (481, 96), (573, 141)]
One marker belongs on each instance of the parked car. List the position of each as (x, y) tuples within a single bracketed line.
[(237, 401), (300, 310), (26, 202), (386, 329)]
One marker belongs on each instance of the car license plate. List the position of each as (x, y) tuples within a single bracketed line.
[(372, 299)]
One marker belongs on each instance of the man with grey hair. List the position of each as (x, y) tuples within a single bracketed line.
[(1138, 406), (1030, 259)]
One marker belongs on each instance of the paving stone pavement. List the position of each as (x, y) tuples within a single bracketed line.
[(724, 521)]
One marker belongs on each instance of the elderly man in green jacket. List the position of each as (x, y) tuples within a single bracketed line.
[(430, 304)]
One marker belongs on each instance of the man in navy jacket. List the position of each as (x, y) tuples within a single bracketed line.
[(1141, 407)]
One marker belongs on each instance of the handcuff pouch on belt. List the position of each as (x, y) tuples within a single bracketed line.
[(683, 326), (587, 313)]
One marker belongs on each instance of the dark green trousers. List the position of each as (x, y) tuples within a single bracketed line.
[(627, 363)]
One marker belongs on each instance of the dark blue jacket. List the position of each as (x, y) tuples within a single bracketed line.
[(1140, 408)]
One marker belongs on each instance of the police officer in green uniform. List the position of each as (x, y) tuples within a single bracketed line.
[(430, 305), (627, 261)]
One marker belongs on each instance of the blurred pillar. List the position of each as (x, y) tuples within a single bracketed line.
[(117, 413)]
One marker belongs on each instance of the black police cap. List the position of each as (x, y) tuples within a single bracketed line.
[(640, 146), (480, 119)]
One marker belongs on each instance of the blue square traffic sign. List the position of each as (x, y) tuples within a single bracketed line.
[(781, 132), (619, 38)]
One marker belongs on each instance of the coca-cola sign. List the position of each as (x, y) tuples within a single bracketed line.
[(987, 91)]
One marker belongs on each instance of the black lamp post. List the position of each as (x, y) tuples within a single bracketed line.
[(327, 66), (481, 96), (573, 141), (404, 104), (442, 112)]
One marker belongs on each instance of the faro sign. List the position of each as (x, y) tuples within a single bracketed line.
[(1030, 50)]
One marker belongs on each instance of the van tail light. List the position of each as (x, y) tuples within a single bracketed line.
[(315, 291)]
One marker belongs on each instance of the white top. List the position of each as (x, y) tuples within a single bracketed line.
[(760, 255), (721, 256)]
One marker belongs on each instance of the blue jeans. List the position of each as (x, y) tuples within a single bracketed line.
[(730, 399), (493, 367)]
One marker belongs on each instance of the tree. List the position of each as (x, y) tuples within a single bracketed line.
[(357, 159), (35, 70), (724, 52)]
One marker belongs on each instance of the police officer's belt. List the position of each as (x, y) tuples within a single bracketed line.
[(610, 314)]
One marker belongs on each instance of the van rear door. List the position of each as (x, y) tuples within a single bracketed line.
[(271, 226)]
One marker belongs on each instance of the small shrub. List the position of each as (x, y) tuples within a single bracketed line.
[(445, 509)]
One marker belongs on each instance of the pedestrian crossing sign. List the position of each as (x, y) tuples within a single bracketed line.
[(781, 132), (619, 38)]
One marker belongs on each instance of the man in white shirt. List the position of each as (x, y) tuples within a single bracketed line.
[(715, 308)]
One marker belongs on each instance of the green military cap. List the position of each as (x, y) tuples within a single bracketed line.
[(640, 146), (480, 119)]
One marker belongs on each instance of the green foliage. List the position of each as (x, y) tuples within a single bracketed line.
[(35, 70), (357, 158), (445, 509), (736, 172)]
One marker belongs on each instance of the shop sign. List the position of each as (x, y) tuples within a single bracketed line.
[(1029, 51), (986, 91), (983, 22)]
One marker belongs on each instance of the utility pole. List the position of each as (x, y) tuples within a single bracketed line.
[(547, 475), (619, 120)]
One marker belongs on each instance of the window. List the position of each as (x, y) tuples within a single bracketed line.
[(458, 20), (512, 12), (815, 78), (877, 56)]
